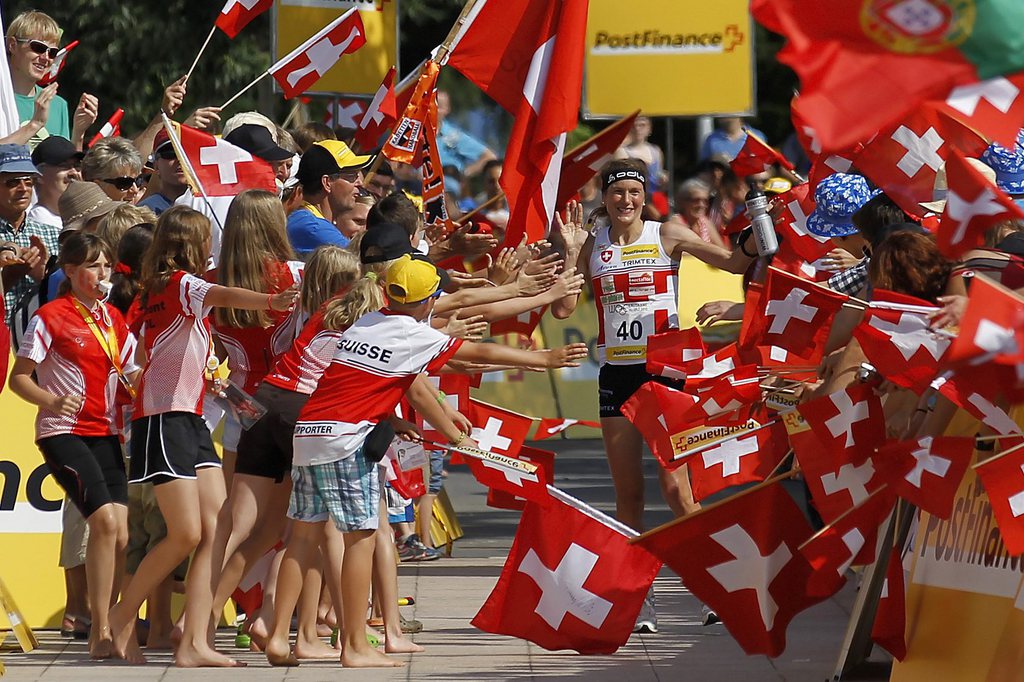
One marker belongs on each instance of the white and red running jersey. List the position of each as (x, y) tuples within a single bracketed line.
[(375, 362), (71, 361), (636, 287), (176, 336), (300, 367), (252, 351)]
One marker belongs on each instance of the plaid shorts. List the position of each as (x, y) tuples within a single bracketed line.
[(347, 490)]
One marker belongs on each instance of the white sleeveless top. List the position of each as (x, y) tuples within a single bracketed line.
[(636, 287)]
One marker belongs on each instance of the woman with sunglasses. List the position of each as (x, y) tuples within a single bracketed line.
[(31, 43), (114, 164)]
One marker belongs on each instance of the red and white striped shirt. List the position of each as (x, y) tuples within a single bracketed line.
[(252, 351), (300, 367), (71, 361), (176, 336), (375, 362)]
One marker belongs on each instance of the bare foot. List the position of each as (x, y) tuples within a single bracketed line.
[(279, 652), (122, 634), (191, 656), (401, 645), (323, 630), (101, 645), (159, 642), (259, 633), (367, 658), (316, 649), (176, 633)]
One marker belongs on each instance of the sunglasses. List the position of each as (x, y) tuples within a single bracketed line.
[(39, 47), (166, 152), (346, 175), (124, 184), (28, 180)]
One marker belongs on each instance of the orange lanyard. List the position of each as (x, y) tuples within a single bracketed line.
[(108, 342)]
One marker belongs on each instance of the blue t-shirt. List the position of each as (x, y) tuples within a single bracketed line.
[(57, 123), (718, 143), (457, 147), (158, 203), (307, 231)]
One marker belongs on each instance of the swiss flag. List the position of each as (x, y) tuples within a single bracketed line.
[(1003, 478), (237, 14), (584, 162), (523, 324), (890, 628), (501, 496), (350, 111), (797, 314), (663, 415), (850, 422), (994, 107), (927, 471), (407, 483), (306, 64), (741, 558), (978, 397), (791, 224), (221, 168), (669, 351), (757, 157), (973, 205), (551, 427), (728, 394), (747, 457), (455, 388), (571, 580), (494, 476), (848, 541), (712, 365), (58, 65), (380, 114), (992, 326), (111, 128), (896, 336), (906, 158), (527, 55), (498, 430), (834, 489)]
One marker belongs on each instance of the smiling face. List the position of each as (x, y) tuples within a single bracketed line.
[(85, 278), (624, 200), (26, 59)]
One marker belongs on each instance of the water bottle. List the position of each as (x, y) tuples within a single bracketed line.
[(761, 222)]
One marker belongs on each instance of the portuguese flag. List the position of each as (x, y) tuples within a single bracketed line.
[(863, 64)]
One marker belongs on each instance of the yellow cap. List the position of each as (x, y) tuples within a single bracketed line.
[(411, 280), (777, 185), (343, 156)]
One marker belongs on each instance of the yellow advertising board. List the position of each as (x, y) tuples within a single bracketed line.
[(669, 58), (359, 73)]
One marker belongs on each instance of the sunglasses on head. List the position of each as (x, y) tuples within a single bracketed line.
[(28, 180), (166, 152), (124, 184), (39, 47)]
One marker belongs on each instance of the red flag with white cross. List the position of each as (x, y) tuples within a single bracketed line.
[(850, 422), (741, 558), (747, 457), (381, 113), (994, 107), (496, 429), (236, 14), (797, 314), (723, 398), (301, 68), (669, 351), (502, 497), (407, 482), (992, 326), (757, 157), (906, 158), (58, 65), (1003, 478), (791, 224), (896, 336), (532, 486), (973, 205), (712, 365), (584, 162), (221, 168), (848, 541), (927, 472), (662, 414), (978, 397), (571, 580), (890, 628)]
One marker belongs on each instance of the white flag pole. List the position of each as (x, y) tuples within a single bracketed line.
[(201, 51), (190, 171)]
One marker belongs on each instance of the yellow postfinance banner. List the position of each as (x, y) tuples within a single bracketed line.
[(669, 58), (359, 73)]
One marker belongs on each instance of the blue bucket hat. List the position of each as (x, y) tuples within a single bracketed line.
[(16, 158), (1008, 164), (836, 199)]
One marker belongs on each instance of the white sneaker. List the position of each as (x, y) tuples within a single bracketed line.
[(707, 616), (647, 621)]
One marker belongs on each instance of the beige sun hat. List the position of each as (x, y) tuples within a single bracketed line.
[(81, 202), (940, 188)]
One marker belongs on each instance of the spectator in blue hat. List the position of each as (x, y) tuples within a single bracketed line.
[(18, 177), (837, 198), (1009, 167)]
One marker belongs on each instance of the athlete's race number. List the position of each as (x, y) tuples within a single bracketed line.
[(630, 331)]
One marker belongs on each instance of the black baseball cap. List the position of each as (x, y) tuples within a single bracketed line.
[(55, 150), (258, 141), (384, 242)]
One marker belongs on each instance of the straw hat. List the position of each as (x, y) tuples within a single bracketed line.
[(81, 202), (940, 188)]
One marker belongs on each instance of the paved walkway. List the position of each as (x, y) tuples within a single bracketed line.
[(449, 592)]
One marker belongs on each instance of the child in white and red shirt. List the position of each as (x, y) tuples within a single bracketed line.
[(79, 348)]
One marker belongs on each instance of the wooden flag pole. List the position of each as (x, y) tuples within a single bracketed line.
[(192, 68), (462, 220), (245, 89)]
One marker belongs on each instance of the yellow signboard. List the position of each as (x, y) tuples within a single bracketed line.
[(669, 58), (359, 73)]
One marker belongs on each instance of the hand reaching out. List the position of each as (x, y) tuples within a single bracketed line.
[(717, 311), (952, 311), (503, 269), (472, 328), (571, 230), (203, 117), (174, 95), (567, 356)]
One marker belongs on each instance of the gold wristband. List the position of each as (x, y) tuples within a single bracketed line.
[(458, 441)]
